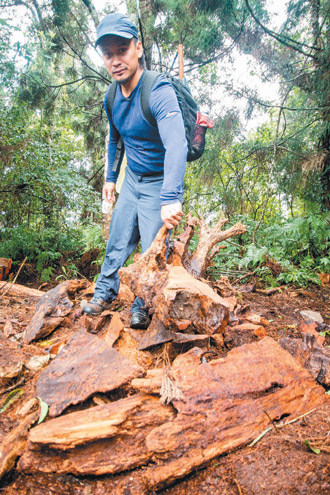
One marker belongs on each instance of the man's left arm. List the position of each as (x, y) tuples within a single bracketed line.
[(165, 108)]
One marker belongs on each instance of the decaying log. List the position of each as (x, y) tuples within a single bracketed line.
[(51, 310), (14, 443), (149, 273), (86, 365), (103, 439), (172, 293), (183, 297), (196, 264), (226, 403), (310, 355), (96, 423), (20, 291)]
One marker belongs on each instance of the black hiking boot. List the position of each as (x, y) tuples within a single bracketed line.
[(140, 320)]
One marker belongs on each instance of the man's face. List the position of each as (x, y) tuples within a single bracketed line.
[(121, 57)]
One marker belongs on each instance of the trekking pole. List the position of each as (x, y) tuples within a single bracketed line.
[(180, 54)]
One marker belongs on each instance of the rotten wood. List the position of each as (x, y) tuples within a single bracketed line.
[(222, 406), (86, 365), (14, 443), (113, 330), (185, 298), (172, 293), (11, 360), (311, 355), (20, 291), (51, 310), (209, 237), (156, 334), (104, 439), (226, 399)]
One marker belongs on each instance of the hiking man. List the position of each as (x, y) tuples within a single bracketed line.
[(152, 191)]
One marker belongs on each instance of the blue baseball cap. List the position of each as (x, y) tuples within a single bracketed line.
[(117, 25)]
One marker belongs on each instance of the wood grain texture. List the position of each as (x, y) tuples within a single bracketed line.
[(86, 365), (225, 403)]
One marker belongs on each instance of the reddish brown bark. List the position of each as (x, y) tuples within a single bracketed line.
[(51, 310), (225, 403), (86, 365), (197, 263)]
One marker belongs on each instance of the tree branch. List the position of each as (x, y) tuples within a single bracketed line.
[(92, 11), (281, 40)]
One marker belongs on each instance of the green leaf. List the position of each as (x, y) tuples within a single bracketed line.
[(316, 451), (11, 397), (43, 410), (328, 391)]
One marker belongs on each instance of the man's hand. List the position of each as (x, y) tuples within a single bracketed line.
[(108, 192), (171, 214)]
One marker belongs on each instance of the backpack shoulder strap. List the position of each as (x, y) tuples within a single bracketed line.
[(120, 149), (111, 97), (148, 81)]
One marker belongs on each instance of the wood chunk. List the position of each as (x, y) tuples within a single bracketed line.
[(11, 360), (14, 443), (184, 297), (5, 265), (311, 329), (95, 423), (86, 365), (225, 404), (20, 291), (309, 354), (173, 293), (51, 310), (152, 382), (103, 439), (113, 331), (156, 334), (185, 340), (182, 324)]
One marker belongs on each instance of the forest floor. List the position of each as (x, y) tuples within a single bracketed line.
[(278, 464)]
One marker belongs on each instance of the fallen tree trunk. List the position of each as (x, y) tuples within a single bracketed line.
[(20, 291)]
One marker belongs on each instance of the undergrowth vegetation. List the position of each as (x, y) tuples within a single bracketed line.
[(284, 251)]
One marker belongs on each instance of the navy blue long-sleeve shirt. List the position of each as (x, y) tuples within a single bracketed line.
[(150, 149)]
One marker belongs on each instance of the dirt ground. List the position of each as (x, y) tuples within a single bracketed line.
[(279, 464)]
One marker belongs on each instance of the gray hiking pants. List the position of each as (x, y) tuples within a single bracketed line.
[(136, 216)]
